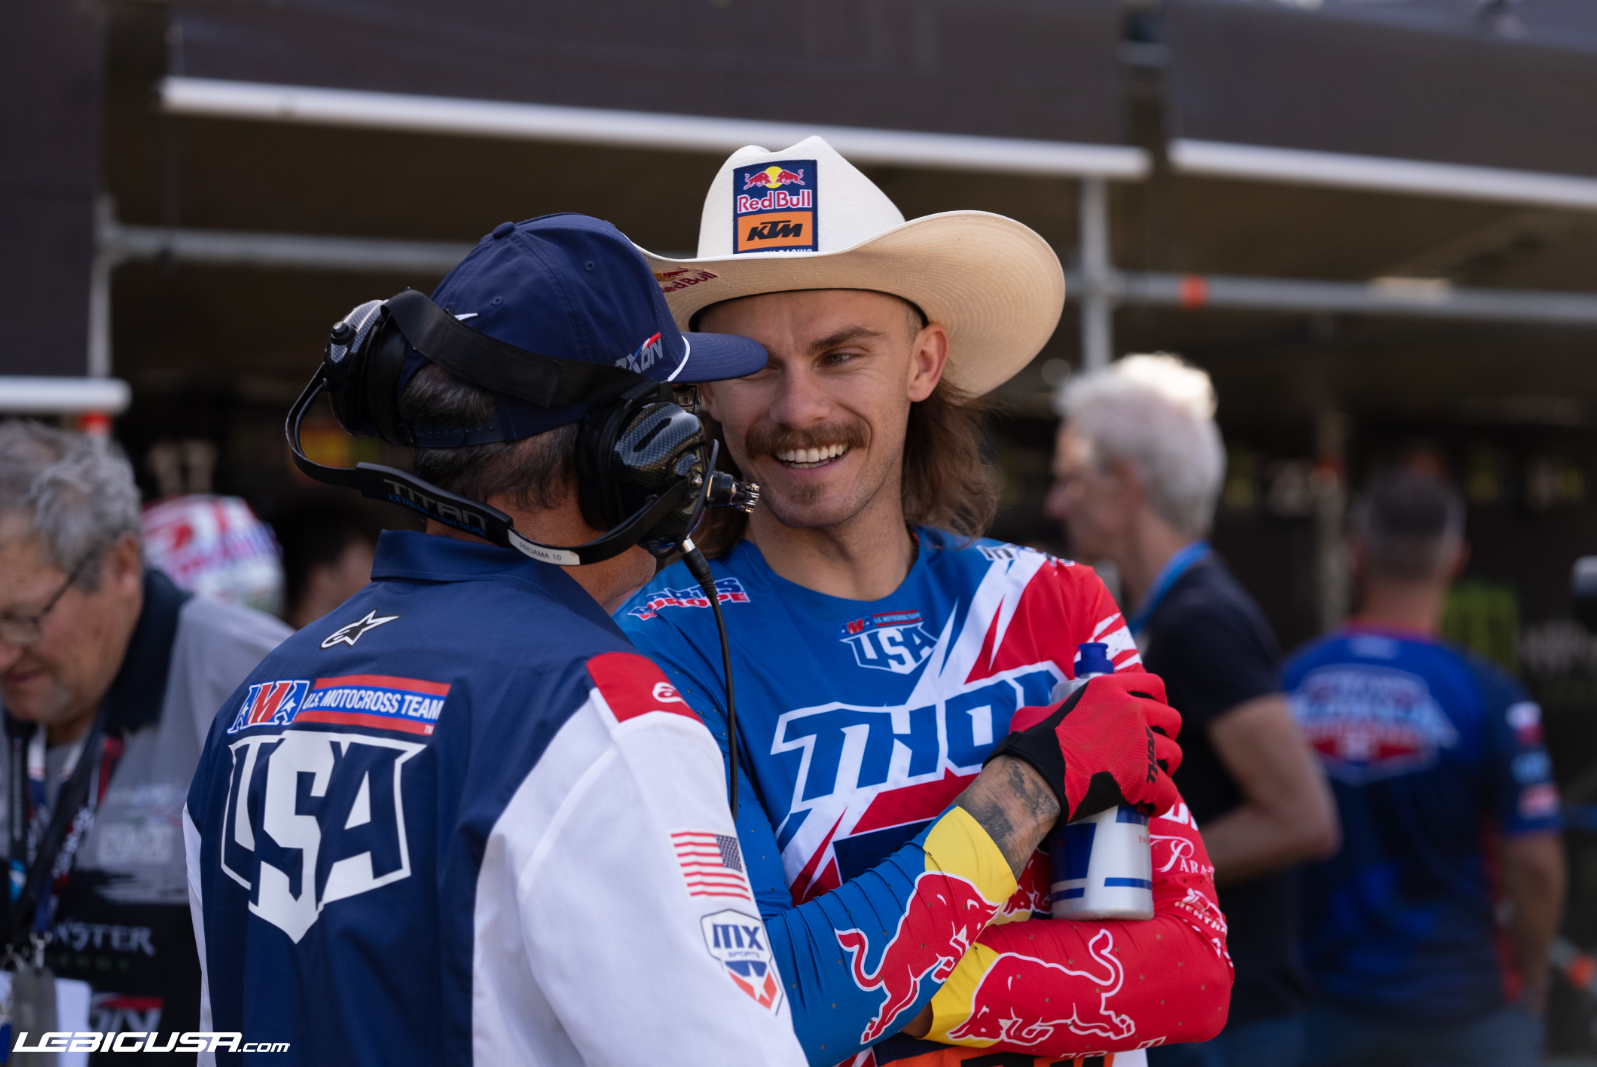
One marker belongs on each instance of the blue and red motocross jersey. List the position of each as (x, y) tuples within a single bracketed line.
[(1431, 752), (858, 724)]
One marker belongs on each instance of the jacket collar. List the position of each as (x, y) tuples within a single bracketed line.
[(407, 555), (139, 688)]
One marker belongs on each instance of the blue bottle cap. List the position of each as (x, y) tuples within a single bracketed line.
[(1092, 657)]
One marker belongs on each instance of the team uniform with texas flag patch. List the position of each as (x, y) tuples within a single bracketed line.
[(460, 820), (859, 723)]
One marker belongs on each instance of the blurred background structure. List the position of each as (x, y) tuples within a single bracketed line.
[(1374, 223)]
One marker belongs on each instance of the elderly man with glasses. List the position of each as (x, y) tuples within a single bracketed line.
[(109, 678)]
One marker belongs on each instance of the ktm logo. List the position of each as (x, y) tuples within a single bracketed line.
[(770, 231)]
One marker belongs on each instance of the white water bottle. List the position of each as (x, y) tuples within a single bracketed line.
[(1103, 864)]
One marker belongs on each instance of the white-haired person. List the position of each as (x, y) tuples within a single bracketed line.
[(109, 678), (1138, 467)]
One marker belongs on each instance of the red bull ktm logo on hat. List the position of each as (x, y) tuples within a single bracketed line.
[(773, 207)]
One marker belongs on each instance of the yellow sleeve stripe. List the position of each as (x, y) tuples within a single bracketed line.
[(957, 844), (952, 1004)]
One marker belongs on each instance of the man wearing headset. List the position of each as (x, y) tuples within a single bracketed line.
[(459, 819), (881, 649)]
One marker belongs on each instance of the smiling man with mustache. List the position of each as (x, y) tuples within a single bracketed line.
[(881, 646)]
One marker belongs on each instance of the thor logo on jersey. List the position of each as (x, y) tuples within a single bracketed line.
[(313, 817), (841, 748), (894, 641)]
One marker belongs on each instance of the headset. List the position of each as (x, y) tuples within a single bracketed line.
[(644, 470), (645, 473)]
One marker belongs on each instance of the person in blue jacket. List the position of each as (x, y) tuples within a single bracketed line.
[(460, 820), (1450, 818)]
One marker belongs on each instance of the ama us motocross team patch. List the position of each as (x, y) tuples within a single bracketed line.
[(773, 207)]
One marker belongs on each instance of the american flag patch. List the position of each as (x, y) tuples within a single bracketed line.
[(712, 864)]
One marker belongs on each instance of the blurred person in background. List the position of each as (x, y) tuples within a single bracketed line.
[(328, 543), (109, 678), (216, 547), (1138, 467), (1437, 764)]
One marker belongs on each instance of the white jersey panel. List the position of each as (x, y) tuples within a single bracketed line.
[(191, 855), (614, 922)]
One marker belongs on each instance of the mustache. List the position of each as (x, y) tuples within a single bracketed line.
[(768, 438)]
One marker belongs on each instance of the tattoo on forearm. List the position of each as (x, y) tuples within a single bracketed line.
[(1014, 806)]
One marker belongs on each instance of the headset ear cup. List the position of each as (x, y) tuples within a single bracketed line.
[(345, 359), (613, 483), (658, 452), (593, 468), (378, 384)]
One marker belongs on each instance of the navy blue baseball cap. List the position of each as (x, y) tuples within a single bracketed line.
[(572, 287)]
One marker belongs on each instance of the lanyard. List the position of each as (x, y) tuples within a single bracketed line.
[(1174, 568), (42, 853)]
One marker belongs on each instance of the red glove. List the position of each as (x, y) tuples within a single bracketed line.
[(1110, 742)]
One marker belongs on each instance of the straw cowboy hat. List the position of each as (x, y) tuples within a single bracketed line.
[(806, 218)]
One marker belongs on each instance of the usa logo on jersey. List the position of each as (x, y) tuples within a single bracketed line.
[(894, 641), (313, 817), (1369, 723)]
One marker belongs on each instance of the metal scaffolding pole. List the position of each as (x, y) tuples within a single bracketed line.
[(301, 251), (100, 290), (1422, 298), (1096, 282), (1329, 483), (220, 98), (1097, 285)]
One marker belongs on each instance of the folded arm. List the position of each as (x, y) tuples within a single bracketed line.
[(865, 958), (933, 899), (1062, 988)]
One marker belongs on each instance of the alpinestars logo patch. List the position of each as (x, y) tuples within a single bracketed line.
[(348, 635)]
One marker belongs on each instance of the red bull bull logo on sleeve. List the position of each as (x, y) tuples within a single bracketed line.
[(1020, 1000), (774, 207), (941, 920)]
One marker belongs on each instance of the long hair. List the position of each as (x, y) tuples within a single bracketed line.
[(947, 481)]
